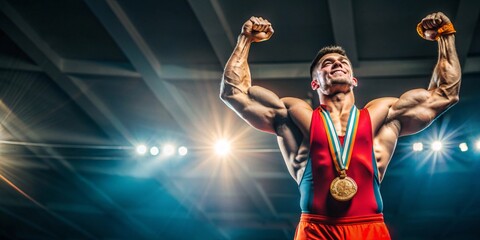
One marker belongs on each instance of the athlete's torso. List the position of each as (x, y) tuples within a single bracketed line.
[(293, 134), (320, 171)]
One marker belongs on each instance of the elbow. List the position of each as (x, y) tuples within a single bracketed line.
[(454, 100), (228, 90), (226, 93), (223, 95), (453, 97), (449, 94)]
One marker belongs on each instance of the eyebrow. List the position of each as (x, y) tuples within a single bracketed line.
[(341, 58)]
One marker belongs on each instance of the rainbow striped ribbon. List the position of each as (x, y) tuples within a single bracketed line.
[(341, 155)]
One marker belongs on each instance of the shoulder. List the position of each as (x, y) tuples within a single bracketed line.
[(381, 103), (378, 110), (296, 106), (299, 111), (380, 106), (295, 102)]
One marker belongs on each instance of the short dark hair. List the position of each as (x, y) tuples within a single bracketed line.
[(324, 51)]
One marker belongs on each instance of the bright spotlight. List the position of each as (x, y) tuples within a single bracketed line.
[(168, 150), (141, 149), (437, 146), (182, 151), (463, 147), (477, 145), (418, 146), (222, 147), (154, 151)]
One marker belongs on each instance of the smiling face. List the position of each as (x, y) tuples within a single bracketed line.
[(333, 74)]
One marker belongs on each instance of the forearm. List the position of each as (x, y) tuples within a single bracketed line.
[(237, 71), (447, 73), (417, 108)]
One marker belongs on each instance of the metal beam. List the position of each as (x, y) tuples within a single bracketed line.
[(128, 38), (341, 13), (214, 23), (103, 68), (472, 65), (40, 52), (370, 68), (173, 73), (8, 63), (115, 70), (170, 72), (465, 22)]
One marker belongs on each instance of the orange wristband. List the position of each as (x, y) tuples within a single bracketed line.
[(443, 30)]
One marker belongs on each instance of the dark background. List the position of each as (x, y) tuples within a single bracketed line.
[(82, 83)]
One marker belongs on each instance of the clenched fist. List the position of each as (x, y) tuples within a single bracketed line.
[(257, 29), (432, 23)]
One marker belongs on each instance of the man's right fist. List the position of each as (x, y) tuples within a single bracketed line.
[(257, 29)]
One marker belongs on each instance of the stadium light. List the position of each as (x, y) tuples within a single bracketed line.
[(141, 149), (222, 147), (437, 146), (154, 151), (168, 150), (182, 151), (418, 146), (463, 147)]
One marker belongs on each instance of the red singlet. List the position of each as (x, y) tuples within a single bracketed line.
[(332, 217)]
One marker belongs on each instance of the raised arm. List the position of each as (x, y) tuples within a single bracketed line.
[(416, 109), (258, 106)]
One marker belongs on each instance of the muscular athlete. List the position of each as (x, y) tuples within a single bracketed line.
[(290, 119)]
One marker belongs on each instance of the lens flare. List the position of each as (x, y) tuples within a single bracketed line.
[(418, 146), (222, 147), (154, 151), (168, 150), (463, 147), (437, 146), (182, 151), (141, 149)]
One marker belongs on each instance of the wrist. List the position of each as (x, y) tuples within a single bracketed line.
[(445, 29), (243, 37)]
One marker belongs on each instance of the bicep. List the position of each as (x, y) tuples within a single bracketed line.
[(259, 107), (416, 109)]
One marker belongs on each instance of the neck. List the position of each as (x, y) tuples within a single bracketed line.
[(339, 102)]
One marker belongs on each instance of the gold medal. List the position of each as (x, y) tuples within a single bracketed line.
[(343, 188)]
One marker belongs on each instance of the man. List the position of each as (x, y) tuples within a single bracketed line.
[(336, 153)]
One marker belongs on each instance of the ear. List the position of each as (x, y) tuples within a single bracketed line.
[(355, 81), (315, 84)]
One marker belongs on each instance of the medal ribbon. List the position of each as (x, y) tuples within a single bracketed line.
[(341, 155)]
